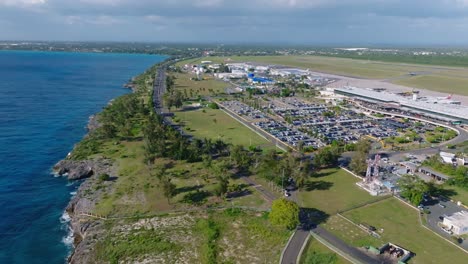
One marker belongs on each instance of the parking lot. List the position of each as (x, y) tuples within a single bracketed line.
[(291, 120), (438, 209)]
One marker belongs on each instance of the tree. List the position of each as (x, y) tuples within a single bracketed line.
[(207, 160), (168, 101), (359, 160), (240, 156), (168, 188), (178, 99), (213, 105), (327, 156), (358, 163), (413, 188), (284, 213), (169, 82), (300, 146), (222, 186), (109, 130), (363, 146)]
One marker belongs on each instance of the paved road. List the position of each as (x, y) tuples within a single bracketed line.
[(292, 250), (439, 211), (266, 194), (159, 89), (294, 247)]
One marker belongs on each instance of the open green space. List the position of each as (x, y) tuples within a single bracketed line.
[(349, 232), (222, 236), (136, 190), (399, 224), (316, 252), (333, 191), (437, 78), (441, 83), (207, 86), (340, 66), (459, 193), (216, 124)]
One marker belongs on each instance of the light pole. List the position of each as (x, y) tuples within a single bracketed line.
[(282, 182)]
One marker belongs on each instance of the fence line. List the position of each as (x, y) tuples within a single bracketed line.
[(170, 212)]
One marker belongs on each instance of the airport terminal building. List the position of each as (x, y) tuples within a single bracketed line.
[(446, 110)]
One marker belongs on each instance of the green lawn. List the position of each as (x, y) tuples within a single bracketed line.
[(215, 124), (401, 226), (437, 78), (446, 84), (183, 81), (350, 233), (332, 191), (314, 247), (461, 194), (349, 67)]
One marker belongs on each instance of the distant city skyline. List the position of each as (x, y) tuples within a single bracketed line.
[(314, 22)]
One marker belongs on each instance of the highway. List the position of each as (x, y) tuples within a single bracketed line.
[(159, 89)]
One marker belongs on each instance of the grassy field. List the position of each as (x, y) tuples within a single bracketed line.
[(437, 78), (203, 237), (340, 66), (316, 248), (400, 225), (350, 233), (441, 83), (183, 81), (332, 191), (461, 194), (248, 238), (216, 124), (136, 190)]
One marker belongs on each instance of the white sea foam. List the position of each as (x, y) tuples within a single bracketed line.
[(71, 183), (65, 218), (68, 239), (73, 193)]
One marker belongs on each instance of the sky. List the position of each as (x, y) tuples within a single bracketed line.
[(440, 22)]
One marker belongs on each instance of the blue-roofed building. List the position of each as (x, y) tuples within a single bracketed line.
[(261, 80)]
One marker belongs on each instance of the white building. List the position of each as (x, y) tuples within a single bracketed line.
[(457, 223), (447, 157), (289, 71), (230, 75)]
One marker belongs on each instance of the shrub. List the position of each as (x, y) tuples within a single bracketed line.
[(103, 177), (213, 105)]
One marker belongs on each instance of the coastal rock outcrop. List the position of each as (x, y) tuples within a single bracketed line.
[(87, 228), (93, 123), (76, 170)]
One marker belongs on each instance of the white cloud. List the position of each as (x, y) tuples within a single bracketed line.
[(22, 3)]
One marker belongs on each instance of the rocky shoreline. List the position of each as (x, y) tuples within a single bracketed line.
[(85, 229)]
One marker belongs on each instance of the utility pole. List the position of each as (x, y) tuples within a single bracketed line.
[(282, 182)]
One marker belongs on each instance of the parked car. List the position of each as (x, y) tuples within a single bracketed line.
[(442, 205), (447, 231)]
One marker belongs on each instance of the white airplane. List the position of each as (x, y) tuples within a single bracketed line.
[(445, 98)]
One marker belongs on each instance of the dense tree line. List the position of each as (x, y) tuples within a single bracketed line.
[(280, 168), (162, 140), (413, 188)]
